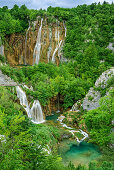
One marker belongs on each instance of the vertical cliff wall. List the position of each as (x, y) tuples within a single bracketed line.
[(42, 39)]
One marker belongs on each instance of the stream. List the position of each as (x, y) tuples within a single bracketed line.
[(75, 150)]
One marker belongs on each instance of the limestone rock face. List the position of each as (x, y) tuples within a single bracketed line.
[(19, 48), (91, 101), (102, 80), (76, 106), (6, 81)]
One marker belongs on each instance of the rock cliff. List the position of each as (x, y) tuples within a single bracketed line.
[(41, 38)]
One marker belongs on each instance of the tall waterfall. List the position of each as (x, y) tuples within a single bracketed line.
[(57, 37), (35, 113), (56, 33), (55, 51), (50, 45), (26, 43), (65, 28), (36, 54)]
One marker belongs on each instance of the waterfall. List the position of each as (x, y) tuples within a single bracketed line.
[(1, 48), (65, 29), (71, 130), (56, 49), (56, 36), (23, 100), (36, 54), (35, 113), (26, 42), (58, 33), (50, 47)]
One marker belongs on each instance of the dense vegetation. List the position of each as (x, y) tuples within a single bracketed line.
[(16, 19), (89, 32), (48, 81), (22, 142)]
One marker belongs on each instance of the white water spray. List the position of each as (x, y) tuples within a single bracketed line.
[(71, 130), (50, 46), (55, 51), (65, 29), (35, 113), (36, 54), (26, 42)]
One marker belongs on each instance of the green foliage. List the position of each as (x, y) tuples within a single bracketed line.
[(22, 143), (99, 121), (49, 80), (2, 59), (16, 19)]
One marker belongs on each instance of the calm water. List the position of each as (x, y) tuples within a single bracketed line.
[(79, 154), (53, 117)]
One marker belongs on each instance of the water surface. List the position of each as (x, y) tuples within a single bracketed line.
[(79, 154)]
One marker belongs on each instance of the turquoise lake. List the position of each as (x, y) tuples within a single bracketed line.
[(78, 154)]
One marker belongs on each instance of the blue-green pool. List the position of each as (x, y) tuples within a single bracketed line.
[(53, 117), (79, 154)]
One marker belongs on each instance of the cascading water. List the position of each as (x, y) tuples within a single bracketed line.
[(65, 29), (56, 32), (35, 113), (36, 54), (50, 46), (26, 42), (56, 49), (57, 38), (71, 130), (23, 100), (1, 48)]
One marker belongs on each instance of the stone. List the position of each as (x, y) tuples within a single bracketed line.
[(93, 102), (102, 80), (6, 81)]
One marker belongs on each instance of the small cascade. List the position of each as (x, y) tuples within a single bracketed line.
[(71, 130), (35, 113), (36, 54), (26, 43), (50, 45)]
